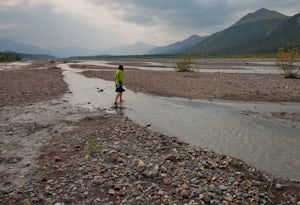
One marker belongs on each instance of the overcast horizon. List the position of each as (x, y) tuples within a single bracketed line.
[(103, 24)]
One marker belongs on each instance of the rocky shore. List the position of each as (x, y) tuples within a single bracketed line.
[(108, 159)]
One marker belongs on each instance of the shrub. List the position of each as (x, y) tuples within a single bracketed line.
[(91, 149), (52, 61), (9, 57), (287, 62), (185, 65)]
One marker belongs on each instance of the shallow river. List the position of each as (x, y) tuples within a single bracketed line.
[(260, 67), (270, 144)]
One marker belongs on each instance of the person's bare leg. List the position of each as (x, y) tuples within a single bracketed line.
[(121, 100), (116, 99)]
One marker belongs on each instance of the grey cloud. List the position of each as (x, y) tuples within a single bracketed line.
[(187, 14), (40, 26), (173, 19), (35, 20), (195, 13)]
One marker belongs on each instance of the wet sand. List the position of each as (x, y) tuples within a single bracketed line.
[(108, 159)]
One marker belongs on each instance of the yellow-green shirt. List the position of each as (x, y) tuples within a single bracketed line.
[(119, 78)]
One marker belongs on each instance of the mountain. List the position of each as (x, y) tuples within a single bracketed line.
[(240, 37), (29, 51), (29, 56), (178, 47), (138, 48), (259, 15), (71, 51), (285, 35), (6, 44), (5, 57)]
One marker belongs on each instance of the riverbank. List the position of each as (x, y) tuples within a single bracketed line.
[(108, 159), (195, 85)]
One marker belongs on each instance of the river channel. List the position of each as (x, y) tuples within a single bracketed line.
[(243, 130)]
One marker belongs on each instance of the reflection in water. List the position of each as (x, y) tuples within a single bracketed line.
[(266, 143)]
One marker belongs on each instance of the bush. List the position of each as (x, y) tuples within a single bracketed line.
[(8, 57), (185, 65), (91, 149), (287, 62)]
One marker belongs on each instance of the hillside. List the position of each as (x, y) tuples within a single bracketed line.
[(178, 47), (6, 44), (285, 35), (240, 37), (29, 56), (4, 57), (259, 15)]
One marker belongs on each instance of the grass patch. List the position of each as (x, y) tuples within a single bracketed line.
[(91, 149), (236, 163)]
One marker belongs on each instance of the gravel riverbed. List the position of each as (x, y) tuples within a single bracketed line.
[(108, 159)]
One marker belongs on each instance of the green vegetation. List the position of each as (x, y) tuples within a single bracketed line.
[(52, 61), (52, 152), (287, 62), (92, 149), (185, 65), (286, 35), (235, 163), (240, 55), (4, 57), (239, 38)]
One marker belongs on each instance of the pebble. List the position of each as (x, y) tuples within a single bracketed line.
[(278, 186), (293, 200), (167, 181), (136, 165)]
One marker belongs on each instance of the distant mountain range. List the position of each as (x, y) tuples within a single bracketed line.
[(138, 48), (29, 56), (74, 51), (29, 51), (263, 31), (178, 47), (13, 46)]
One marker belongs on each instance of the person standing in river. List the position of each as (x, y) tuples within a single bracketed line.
[(119, 81)]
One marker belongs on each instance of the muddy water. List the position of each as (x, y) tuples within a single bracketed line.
[(243, 130)]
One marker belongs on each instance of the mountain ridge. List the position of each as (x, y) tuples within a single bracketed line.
[(285, 35), (10, 45), (178, 46), (263, 31), (138, 48), (261, 14), (242, 36)]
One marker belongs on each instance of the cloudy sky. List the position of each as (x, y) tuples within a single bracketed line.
[(101, 24)]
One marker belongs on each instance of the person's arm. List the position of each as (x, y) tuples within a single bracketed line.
[(117, 77), (121, 77)]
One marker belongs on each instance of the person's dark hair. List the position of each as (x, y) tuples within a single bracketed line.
[(120, 67)]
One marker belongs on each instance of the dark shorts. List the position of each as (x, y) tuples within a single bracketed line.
[(119, 88)]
